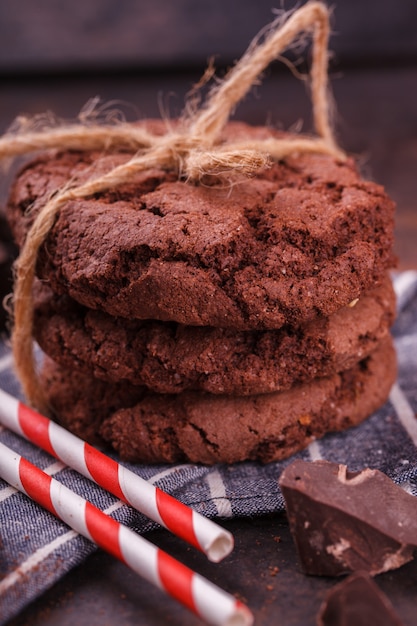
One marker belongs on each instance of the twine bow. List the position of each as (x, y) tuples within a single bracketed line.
[(192, 149)]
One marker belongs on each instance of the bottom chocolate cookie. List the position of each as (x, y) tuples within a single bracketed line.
[(198, 427)]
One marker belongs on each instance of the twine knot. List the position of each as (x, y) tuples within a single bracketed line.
[(192, 148)]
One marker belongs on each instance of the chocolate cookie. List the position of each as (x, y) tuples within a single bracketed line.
[(303, 237), (169, 358), (200, 427)]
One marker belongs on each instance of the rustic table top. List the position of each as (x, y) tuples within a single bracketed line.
[(263, 568)]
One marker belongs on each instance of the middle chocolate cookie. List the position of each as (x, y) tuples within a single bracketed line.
[(170, 358)]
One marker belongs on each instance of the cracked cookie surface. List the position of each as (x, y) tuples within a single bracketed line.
[(303, 237)]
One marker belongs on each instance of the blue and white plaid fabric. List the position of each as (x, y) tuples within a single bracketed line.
[(38, 549)]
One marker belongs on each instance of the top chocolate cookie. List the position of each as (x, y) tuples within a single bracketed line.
[(303, 237)]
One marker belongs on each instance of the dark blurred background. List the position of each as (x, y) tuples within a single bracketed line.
[(145, 55), (136, 35)]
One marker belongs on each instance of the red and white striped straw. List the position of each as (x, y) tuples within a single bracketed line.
[(199, 531), (199, 595)]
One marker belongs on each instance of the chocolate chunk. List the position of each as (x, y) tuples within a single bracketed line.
[(357, 601), (345, 521)]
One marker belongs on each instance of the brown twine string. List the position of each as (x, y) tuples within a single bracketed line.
[(191, 148)]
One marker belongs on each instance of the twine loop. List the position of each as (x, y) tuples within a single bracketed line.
[(193, 149)]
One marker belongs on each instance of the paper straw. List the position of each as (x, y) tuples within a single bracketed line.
[(199, 531), (199, 595)]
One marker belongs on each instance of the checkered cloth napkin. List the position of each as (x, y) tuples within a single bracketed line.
[(38, 549)]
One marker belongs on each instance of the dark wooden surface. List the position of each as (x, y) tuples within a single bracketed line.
[(61, 58), (263, 571)]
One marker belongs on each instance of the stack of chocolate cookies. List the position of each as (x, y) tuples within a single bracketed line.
[(212, 322)]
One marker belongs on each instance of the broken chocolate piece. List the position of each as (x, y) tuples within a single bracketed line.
[(357, 601), (343, 521)]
